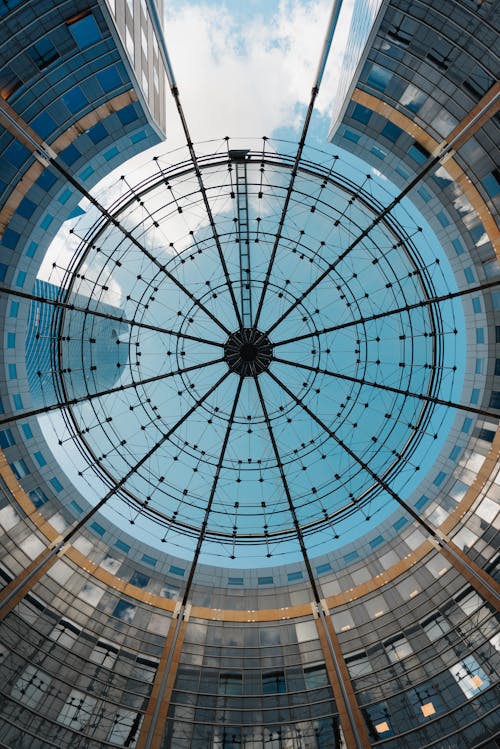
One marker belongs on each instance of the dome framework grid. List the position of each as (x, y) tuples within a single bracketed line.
[(152, 289)]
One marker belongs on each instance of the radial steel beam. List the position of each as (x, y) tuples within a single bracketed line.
[(47, 156), (156, 714), (174, 90), (483, 583), (340, 681), (486, 108), (105, 315), (208, 509), (351, 719), (388, 388), (286, 488), (102, 393), (396, 311), (20, 586), (332, 23)]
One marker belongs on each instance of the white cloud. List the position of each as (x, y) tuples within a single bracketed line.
[(241, 72), (60, 255), (246, 79)]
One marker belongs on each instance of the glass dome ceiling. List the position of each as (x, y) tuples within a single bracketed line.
[(259, 380)]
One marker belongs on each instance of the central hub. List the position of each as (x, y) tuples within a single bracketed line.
[(248, 352)]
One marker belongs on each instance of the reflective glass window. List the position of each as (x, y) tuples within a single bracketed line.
[(418, 153), (9, 83), (315, 677), (379, 77), (7, 5), (349, 135), (177, 570), (492, 183), (469, 676), (75, 100), (361, 114), (97, 133), (273, 682), (124, 611), (139, 579), (495, 399), (26, 207), (10, 238), (31, 686), (123, 725), (412, 98), (358, 664), (398, 648), (230, 683), (77, 710), (43, 53), (6, 438), (85, 31), (127, 114), (436, 627), (38, 497), (391, 131), (109, 79)]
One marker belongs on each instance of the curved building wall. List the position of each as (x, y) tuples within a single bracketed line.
[(102, 645)]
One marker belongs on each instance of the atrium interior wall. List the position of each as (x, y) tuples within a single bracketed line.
[(399, 649)]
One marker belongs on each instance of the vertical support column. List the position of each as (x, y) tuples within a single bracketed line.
[(20, 586), (351, 719), (155, 718), (480, 580)]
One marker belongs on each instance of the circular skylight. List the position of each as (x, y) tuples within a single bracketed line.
[(256, 379)]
